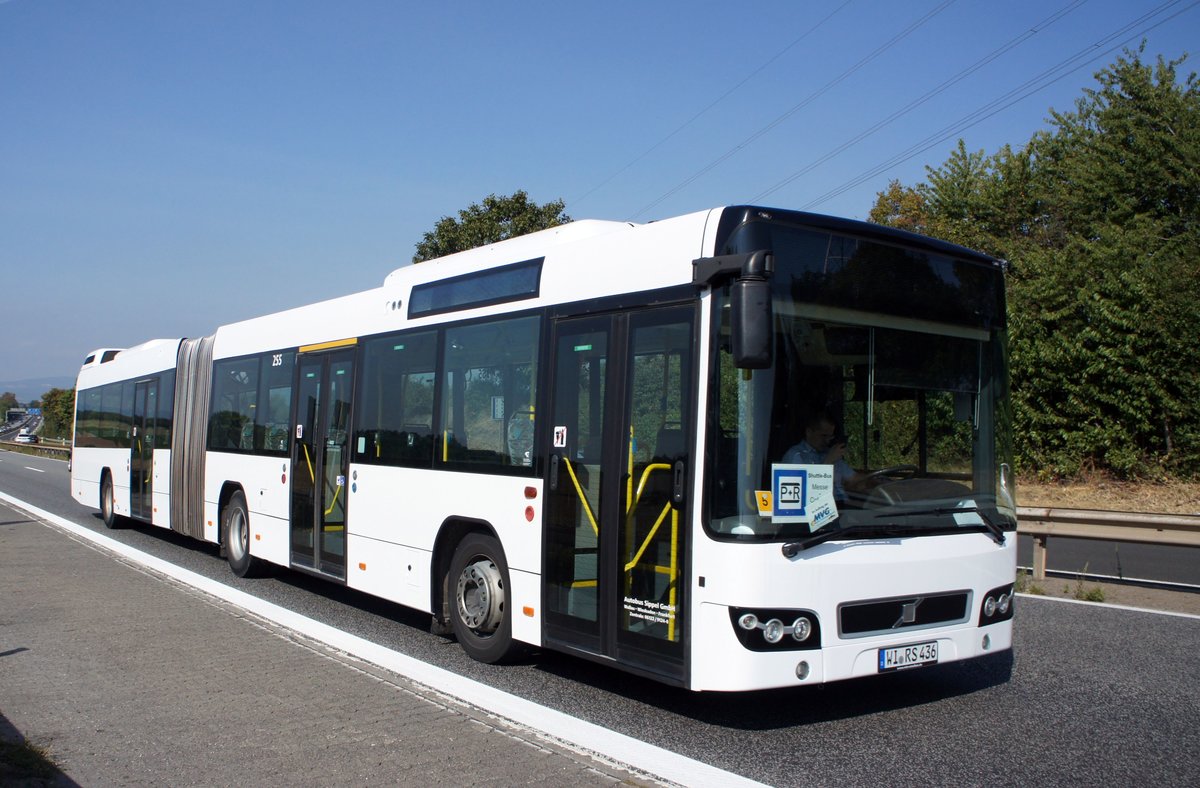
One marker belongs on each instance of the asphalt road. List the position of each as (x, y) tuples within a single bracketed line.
[(1097, 695)]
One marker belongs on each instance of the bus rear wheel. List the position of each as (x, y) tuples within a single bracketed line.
[(480, 616), (108, 512), (235, 522)]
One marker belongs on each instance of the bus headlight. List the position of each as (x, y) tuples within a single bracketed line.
[(764, 630), (998, 605)]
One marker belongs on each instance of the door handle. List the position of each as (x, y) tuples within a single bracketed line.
[(680, 482), (553, 471)]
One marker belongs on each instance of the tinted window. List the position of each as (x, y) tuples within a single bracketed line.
[(234, 401), (166, 407), (489, 387), (87, 417), (124, 435), (395, 411), (814, 266), (498, 285), (110, 415), (273, 413)]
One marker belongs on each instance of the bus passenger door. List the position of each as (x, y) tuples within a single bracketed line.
[(616, 478), (320, 461), (141, 457)]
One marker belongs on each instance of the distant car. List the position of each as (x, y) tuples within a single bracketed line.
[(26, 437)]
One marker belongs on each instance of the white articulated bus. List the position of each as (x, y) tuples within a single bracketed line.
[(733, 450)]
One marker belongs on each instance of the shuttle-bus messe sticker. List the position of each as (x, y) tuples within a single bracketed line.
[(799, 494)]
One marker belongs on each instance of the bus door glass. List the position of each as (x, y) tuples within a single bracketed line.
[(141, 462), (617, 473), (320, 461)]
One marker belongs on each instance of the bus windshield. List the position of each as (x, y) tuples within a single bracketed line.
[(897, 423)]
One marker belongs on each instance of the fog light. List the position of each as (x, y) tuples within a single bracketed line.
[(1005, 601), (748, 621), (801, 628), (989, 606), (802, 670), (773, 631)]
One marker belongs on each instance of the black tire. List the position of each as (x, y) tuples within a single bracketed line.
[(480, 613), (235, 530), (108, 511)]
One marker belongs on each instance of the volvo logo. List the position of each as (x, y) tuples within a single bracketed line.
[(908, 613)]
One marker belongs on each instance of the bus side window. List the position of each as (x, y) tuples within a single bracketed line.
[(234, 401), (490, 372), (273, 414), (394, 419)]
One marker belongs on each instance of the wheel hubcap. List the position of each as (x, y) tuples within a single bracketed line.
[(481, 596), (239, 540)]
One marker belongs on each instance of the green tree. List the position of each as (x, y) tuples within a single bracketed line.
[(496, 219), (1100, 215), (58, 413), (7, 400)]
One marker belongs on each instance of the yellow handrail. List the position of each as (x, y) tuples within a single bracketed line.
[(313, 476), (672, 570), (655, 466), (587, 508), (337, 490), (649, 537)]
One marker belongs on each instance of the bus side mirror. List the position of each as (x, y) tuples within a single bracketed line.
[(751, 323), (751, 318)]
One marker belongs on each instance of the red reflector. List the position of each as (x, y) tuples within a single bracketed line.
[(530, 493), (529, 513)]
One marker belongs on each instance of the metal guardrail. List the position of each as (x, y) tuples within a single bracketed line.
[(38, 449), (1162, 529)]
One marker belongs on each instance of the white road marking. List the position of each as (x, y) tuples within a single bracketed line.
[(583, 736), (1109, 605), (35, 470)]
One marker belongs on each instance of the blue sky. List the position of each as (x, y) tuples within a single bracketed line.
[(166, 167)]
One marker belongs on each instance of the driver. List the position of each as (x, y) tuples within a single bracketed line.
[(823, 446)]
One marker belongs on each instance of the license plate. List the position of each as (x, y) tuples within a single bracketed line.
[(908, 656)]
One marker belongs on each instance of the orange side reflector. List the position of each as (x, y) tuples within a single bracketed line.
[(527, 611), (362, 566), (257, 537)]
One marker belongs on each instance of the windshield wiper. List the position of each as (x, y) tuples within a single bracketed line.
[(790, 549), (994, 530)]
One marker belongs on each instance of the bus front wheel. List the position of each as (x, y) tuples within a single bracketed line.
[(480, 614)]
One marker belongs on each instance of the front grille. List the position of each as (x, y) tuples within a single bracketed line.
[(856, 619)]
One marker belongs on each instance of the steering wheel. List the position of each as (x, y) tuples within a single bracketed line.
[(896, 471)]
